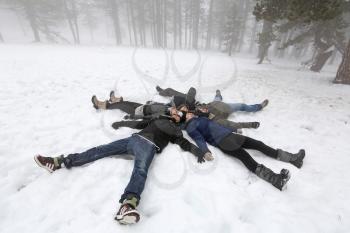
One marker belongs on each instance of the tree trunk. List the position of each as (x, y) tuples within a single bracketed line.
[(195, 27), (343, 74), (165, 42), (133, 22), (246, 10), (115, 20), (31, 15), (180, 22), (265, 39), (175, 23), (128, 19), (75, 20), (253, 37), (70, 23), (210, 25), (320, 61)]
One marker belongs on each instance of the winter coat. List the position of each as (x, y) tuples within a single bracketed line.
[(160, 132), (203, 130)]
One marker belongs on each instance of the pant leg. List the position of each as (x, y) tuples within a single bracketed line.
[(125, 106), (234, 125), (235, 107), (231, 146), (95, 153), (169, 92), (144, 152), (250, 143)]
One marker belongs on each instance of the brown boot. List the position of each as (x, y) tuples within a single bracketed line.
[(113, 99), (98, 104)]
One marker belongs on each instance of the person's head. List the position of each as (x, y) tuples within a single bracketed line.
[(202, 108), (175, 116), (189, 116), (183, 108)]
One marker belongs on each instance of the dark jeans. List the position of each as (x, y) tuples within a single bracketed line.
[(236, 107), (125, 106), (142, 149), (235, 145)]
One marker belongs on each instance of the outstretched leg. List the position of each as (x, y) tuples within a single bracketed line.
[(169, 92)]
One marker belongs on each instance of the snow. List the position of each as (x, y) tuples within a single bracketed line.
[(45, 108)]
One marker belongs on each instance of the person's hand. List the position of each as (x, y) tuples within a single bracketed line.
[(208, 156), (126, 117), (116, 125), (200, 159)]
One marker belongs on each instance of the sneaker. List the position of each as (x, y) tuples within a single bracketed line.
[(264, 103), (113, 99), (49, 163), (127, 214)]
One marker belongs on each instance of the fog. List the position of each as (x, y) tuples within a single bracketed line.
[(301, 30)]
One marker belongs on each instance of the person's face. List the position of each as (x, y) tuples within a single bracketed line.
[(184, 108), (189, 116), (175, 116), (203, 109), (173, 111)]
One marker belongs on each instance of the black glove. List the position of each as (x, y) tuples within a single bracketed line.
[(255, 125), (117, 124), (200, 158), (126, 117)]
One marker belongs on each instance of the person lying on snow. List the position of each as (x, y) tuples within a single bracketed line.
[(152, 110), (153, 138), (218, 108), (203, 130)]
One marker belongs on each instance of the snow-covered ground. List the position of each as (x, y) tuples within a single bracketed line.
[(45, 108)]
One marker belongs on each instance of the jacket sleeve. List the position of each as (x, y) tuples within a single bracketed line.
[(187, 146), (199, 139), (131, 124)]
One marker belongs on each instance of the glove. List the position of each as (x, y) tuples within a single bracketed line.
[(211, 116), (117, 124), (208, 156), (126, 117), (200, 159), (255, 125)]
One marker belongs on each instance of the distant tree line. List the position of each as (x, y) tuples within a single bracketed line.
[(296, 28)]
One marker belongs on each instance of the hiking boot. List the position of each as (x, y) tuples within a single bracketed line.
[(98, 104), (127, 213), (277, 180), (295, 159), (159, 89), (264, 103), (51, 164), (113, 99)]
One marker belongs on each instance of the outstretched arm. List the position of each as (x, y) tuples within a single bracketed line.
[(237, 125), (199, 139), (187, 146), (131, 124)]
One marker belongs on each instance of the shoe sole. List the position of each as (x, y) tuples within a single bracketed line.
[(40, 165), (129, 218)]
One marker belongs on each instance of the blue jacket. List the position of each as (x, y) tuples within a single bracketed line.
[(203, 130)]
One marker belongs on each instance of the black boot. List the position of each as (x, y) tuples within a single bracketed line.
[(264, 103), (295, 159), (277, 180)]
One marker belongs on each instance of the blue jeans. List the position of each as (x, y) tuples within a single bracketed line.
[(142, 149), (235, 107)]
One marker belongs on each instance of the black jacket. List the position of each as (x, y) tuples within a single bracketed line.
[(160, 132)]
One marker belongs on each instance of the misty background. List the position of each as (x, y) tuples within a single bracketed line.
[(315, 32)]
